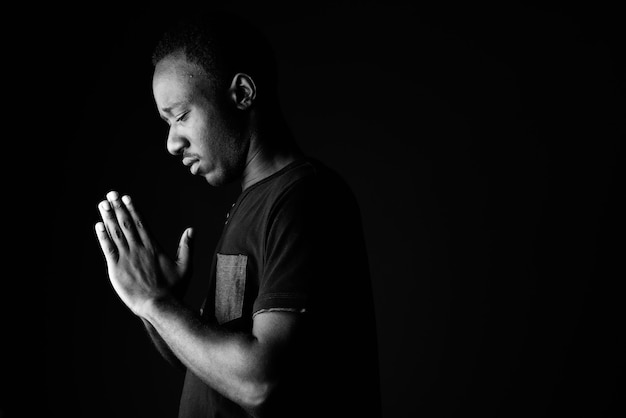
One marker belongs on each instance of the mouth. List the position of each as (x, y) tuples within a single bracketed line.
[(192, 163)]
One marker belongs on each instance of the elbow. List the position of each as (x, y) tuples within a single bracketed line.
[(256, 397)]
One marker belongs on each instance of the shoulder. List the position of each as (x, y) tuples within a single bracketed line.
[(311, 183), (311, 175)]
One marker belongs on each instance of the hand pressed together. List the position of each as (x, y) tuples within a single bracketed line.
[(139, 270)]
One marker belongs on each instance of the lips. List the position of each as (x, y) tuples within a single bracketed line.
[(191, 162), (188, 161)]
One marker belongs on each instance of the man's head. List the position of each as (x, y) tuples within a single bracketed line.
[(212, 76)]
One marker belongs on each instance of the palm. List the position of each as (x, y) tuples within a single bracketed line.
[(177, 274), (138, 268)]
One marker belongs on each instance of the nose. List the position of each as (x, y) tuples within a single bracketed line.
[(176, 142)]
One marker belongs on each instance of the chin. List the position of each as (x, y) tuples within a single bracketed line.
[(217, 178), (213, 182), (221, 174)]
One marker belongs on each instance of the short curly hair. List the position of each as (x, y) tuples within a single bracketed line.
[(222, 44)]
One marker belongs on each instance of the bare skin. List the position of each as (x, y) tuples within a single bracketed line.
[(243, 367)]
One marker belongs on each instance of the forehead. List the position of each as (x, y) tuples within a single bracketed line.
[(176, 79)]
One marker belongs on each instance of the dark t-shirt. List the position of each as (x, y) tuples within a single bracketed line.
[(294, 242)]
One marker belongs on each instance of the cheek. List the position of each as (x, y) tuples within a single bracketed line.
[(200, 135), (213, 141)]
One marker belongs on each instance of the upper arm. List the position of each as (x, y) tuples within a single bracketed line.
[(276, 333), (275, 329)]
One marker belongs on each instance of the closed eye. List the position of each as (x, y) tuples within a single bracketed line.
[(182, 117)]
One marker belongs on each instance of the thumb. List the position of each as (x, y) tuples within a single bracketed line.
[(183, 257)]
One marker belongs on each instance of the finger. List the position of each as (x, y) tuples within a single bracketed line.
[(110, 222), (139, 226), (184, 254), (108, 247), (124, 220)]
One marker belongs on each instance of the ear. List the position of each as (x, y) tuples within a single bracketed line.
[(242, 91)]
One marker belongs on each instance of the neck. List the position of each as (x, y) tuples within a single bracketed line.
[(271, 149)]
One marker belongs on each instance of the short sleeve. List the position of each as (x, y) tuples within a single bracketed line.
[(294, 243)]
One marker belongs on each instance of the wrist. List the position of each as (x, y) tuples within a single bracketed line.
[(179, 289), (155, 306)]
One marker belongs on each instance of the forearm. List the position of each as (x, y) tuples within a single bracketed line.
[(162, 346), (233, 364)]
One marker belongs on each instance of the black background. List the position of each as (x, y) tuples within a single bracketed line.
[(482, 142)]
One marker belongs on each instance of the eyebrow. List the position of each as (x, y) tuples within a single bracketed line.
[(172, 106)]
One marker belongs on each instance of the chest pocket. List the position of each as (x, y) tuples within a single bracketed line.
[(230, 287)]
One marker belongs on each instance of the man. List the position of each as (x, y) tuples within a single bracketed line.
[(287, 328)]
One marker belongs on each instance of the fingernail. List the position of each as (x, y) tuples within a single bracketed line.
[(126, 199), (112, 195), (104, 205), (100, 227), (189, 233)]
